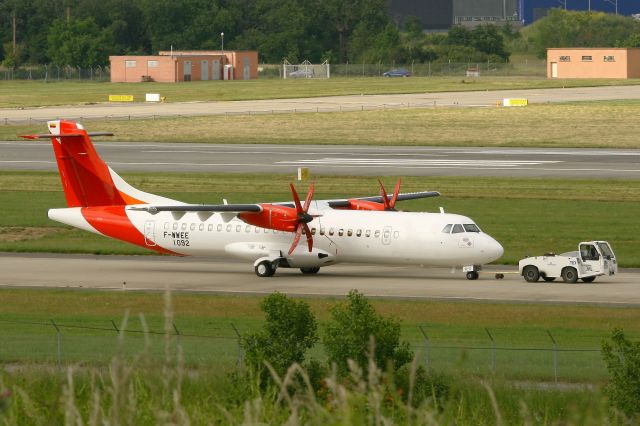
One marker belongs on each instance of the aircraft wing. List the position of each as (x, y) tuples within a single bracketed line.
[(202, 208), (378, 198)]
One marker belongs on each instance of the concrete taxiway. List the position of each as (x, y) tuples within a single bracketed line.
[(344, 159), (224, 276), (318, 104)]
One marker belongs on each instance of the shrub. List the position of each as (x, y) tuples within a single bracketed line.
[(289, 330), (622, 358), (348, 335)]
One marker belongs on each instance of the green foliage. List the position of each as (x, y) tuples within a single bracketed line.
[(79, 43), (354, 324), (290, 329), (422, 385), (562, 28), (622, 358)]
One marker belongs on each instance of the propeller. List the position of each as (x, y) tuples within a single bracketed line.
[(302, 217), (389, 205)]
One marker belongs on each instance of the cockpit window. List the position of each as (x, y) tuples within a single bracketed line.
[(447, 229), (457, 228), (471, 227)]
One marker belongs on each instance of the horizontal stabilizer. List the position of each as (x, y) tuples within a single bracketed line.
[(378, 199), (66, 135), (199, 208)]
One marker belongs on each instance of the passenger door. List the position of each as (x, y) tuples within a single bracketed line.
[(591, 259)]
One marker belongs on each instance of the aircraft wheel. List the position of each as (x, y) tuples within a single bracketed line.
[(265, 269), (309, 271), (588, 279), (531, 274), (472, 275), (549, 279), (569, 275)]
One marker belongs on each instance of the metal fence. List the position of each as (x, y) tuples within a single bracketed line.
[(62, 343), (56, 73), (534, 68)]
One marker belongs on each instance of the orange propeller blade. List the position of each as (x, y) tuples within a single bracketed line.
[(296, 240), (385, 198), (296, 199), (307, 201), (396, 192), (307, 232)]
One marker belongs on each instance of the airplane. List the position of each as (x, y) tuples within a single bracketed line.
[(366, 230)]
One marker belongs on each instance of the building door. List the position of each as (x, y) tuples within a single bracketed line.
[(204, 70), (246, 69), (187, 71), (215, 69), (554, 70)]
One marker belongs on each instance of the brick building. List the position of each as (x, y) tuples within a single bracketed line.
[(171, 67), (593, 63)]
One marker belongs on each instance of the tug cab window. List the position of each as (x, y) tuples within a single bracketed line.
[(589, 252), (457, 229)]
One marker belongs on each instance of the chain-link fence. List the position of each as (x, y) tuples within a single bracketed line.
[(525, 68), (483, 352), (56, 73)]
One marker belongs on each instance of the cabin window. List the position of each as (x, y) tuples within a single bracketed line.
[(184, 226), (321, 231), (257, 230), (349, 232), (210, 228), (331, 231), (396, 234), (358, 232), (238, 228), (340, 232), (447, 229), (229, 228), (471, 227), (313, 231), (201, 227), (457, 229), (266, 230), (367, 233), (376, 234), (219, 227), (247, 228), (193, 227), (166, 226), (175, 226)]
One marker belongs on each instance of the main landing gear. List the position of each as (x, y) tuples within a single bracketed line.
[(267, 268)]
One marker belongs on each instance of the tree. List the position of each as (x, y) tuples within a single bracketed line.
[(488, 39), (348, 335), (79, 43), (289, 331), (622, 358)]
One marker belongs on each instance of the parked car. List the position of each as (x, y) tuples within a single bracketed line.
[(301, 73), (400, 72)]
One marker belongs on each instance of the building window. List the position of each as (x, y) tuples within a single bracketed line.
[(152, 64), (565, 58), (130, 64), (609, 58), (587, 58)]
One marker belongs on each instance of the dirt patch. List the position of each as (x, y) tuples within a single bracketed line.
[(12, 234)]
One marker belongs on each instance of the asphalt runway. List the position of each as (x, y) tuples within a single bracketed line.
[(224, 276), (336, 160), (319, 104)]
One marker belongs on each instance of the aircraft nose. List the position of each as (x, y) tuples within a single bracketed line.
[(493, 249)]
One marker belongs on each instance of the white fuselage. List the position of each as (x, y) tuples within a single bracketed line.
[(372, 237)]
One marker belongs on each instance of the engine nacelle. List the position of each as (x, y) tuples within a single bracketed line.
[(365, 205), (280, 218)]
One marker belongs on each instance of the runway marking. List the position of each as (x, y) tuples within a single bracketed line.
[(419, 162)]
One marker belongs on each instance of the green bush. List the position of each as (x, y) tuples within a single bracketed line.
[(289, 330), (622, 357), (423, 385), (348, 335)]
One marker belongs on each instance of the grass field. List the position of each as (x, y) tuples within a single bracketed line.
[(578, 125), (15, 94), (527, 216), (457, 339)]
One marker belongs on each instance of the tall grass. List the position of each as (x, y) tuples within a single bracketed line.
[(143, 389)]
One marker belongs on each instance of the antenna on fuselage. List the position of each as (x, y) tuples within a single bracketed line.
[(442, 210)]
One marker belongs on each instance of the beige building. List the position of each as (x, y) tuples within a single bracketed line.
[(171, 67), (593, 63)]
